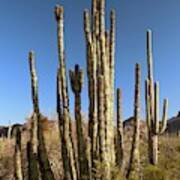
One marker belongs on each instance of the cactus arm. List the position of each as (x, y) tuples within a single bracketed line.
[(156, 108), (164, 118)]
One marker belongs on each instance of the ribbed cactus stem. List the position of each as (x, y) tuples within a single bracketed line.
[(105, 71), (37, 132), (34, 82), (70, 170), (76, 79), (59, 102), (147, 100), (150, 72), (156, 108), (91, 72), (32, 146), (111, 69), (120, 135), (101, 118), (164, 117), (18, 163), (134, 163)]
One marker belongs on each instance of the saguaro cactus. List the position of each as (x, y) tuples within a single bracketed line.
[(37, 137), (152, 107), (133, 169), (154, 126), (18, 164), (120, 135), (71, 171), (76, 79)]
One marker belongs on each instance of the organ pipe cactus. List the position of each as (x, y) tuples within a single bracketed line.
[(133, 169), (18, 163), (100, 62), (152, 107), (71, 171), (37, 137), (76, 79)]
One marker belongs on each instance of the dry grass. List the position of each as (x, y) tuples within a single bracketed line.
[(169, 154)]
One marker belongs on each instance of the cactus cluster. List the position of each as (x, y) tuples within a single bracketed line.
[(104, 143), (152, 107)]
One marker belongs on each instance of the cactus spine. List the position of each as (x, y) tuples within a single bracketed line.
[(37, 136), (152, 107), (76, 79), (120, 135), (18, 163), (71, 171), (133, 169)]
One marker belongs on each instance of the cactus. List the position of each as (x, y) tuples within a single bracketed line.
[(37, 138), (111, 70), (91, 73), (33, 171), (18, 164), (152, 107), (32, 145), (101, 119), (100, 64), (120, 136), (71, 171), (133, 169), (76, 79)]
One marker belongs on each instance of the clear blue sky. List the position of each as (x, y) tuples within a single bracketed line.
[(26, 25)]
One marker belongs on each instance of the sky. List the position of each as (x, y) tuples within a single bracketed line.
[(30, 25)]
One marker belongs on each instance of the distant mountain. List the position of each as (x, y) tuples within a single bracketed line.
[(174, 124)]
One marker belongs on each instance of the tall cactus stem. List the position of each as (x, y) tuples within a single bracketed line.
[(71, 170), (134, 163), (44, 163), (76, 79), (120, 135)]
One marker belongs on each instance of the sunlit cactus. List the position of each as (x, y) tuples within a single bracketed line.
[(76, 79), (37, 141), (134, 163), (70, 164), (152, 107)]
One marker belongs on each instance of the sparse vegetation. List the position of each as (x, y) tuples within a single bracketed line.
[(92, 148)]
